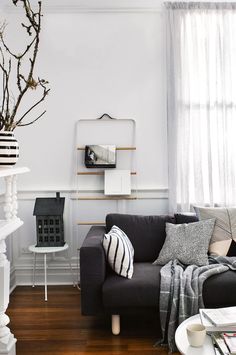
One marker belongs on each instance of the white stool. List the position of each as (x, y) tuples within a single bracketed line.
[(45, 251)]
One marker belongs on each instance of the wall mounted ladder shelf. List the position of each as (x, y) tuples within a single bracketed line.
[(104, 131)]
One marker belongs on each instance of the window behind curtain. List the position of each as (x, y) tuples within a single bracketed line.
[(202, 105)]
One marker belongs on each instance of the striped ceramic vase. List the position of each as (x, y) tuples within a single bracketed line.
[(9, 149)]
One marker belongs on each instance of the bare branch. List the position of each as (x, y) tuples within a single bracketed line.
[(6, 47), (7, 91), (29, 14), (32, 107), (19, 75), (6, 95), (27, 48), (2, 28), (4, 74), (32, 60), (29, 123), (16, 56), (28, 29), (24, 82)]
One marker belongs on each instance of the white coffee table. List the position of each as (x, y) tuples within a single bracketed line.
[(182, 341)]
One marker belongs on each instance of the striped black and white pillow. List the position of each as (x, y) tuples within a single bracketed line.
[(119, 252)]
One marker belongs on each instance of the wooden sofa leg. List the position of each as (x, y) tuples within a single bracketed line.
[(115, 324)]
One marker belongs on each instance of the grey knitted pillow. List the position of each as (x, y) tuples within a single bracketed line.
[(187, 242)]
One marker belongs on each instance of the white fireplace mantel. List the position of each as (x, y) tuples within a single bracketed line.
[(8, 225)]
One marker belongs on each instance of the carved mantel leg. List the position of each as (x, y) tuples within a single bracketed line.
[(8, 225), (14, 198), (8, 198), (7, 340)]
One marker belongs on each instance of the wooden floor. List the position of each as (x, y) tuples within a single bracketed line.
[(57, 327)]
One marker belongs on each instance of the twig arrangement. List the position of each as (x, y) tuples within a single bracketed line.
[(11, 65)]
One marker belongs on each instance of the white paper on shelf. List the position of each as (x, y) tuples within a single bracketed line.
[(117, 182)]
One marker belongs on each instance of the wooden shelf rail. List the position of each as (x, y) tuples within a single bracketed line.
[(101, 173), (106, 198), (117, 148), (91, 223)]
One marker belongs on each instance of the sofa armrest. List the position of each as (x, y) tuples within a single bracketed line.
[(92, 271)]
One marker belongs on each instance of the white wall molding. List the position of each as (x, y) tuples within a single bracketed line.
[(142, 193), (77, 6), (150, 200)]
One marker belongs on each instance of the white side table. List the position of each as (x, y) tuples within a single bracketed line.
[(48, 250), (182, 343)]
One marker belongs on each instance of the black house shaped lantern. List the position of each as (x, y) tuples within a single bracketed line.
[(49, 221)]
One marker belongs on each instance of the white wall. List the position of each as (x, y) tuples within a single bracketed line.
[(99, 57)]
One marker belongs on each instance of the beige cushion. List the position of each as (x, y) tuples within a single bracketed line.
[(224, 230)]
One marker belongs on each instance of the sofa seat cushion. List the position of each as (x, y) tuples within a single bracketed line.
[(140, 291), (146, 233), (220, 290)]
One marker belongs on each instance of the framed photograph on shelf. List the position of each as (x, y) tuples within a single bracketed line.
[(100, 156)]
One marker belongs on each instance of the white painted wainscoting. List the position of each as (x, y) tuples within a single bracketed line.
[(148, 202)]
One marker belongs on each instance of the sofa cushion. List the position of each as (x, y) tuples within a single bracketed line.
[(187, 242), (220, 290), (141, 291), (232, 249), (185, 218), (119, 252), (225, 227), (146, 233), (190, 218)]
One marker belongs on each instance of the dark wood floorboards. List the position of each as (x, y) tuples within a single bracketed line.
[(57, 327)]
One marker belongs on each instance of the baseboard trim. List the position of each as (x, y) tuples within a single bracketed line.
[(12, 279), (56, 275), (12, 288)]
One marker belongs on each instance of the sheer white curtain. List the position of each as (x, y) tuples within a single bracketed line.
[(201, 104)]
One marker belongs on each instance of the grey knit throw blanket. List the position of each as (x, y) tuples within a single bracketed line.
[(181, 292)]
